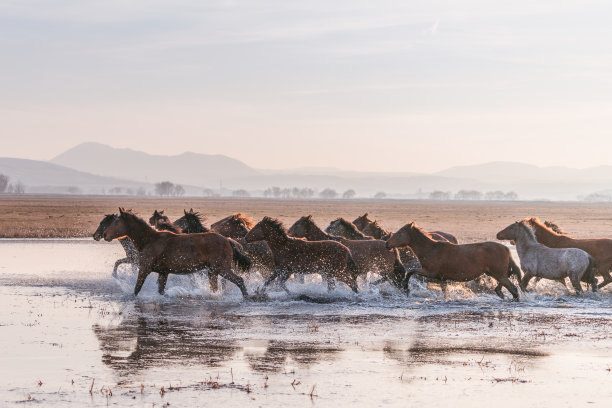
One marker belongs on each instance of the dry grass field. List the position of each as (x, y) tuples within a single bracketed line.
[(33, 216)]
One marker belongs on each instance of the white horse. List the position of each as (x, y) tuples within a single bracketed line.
[(549, 263)]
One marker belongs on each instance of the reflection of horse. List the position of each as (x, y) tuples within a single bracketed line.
[(278, 353), (166, 252), (131, 254), (550, 263), (330, 259), (369, 255), (446, 261), (139, 343), (599, 248)]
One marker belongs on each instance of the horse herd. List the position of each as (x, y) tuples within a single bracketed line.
[(347, 250)]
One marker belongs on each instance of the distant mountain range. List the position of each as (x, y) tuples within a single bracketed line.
[(95, 168)]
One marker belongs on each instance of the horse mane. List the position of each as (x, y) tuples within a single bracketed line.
[(528, 229), (421, 231), (166, 226), (554, 227), (376, 224), (195, 219), (129, 215), (247, 221), (350, 226), (276, 225), (547, 225)]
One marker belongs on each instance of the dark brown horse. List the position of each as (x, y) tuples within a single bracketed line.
[(369, 255), (343, 228), (131, 254), (330, 259), (599, 248), (236, 226), (166, 252), (462, 263), (374, 229)]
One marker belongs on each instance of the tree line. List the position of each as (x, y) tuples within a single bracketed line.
[(7, 187), (474, 195)]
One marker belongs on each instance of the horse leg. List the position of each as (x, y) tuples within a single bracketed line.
[(235, 279), (525, 281), (575, 283), (444, 287), (142, 275), (119, 262), (606, 279), (275, 274), (507, 283), (212, 281), (162, 278)]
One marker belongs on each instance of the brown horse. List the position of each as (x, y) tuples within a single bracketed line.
[(343, 228), (599, 248), (330, 259), (161, 222), (369, 255), (236, 226), (131, 254), (233, 226), (446, 261), (374, 229), (166, 252)]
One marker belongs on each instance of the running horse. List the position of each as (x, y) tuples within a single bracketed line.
[(330, 259), (446, 261), (369, 255), (548, 263), (131, 254), (165, 252), (599, 248)]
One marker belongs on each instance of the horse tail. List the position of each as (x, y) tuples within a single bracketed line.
[(399, 271), (243, 261), (589, 274), (513, 268)]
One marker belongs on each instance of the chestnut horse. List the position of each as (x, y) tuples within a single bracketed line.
[(446, 261), (549, 263), (374, 229), (330, 259), (369, 255), (236, 226), (599, 248), (131, 254), (166, 252)]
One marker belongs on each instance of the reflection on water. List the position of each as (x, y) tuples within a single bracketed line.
[(279, 354)]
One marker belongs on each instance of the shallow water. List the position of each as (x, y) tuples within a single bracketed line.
[(65, 324)]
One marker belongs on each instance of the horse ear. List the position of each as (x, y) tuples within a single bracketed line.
[(121, 211), (191, 210), (161, 212), (185, 211)]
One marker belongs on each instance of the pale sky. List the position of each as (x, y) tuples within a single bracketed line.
[(373, 86)]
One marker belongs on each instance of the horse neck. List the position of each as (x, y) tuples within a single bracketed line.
[(141, 235), (276, 240), (420, 242), (549, 238), (525, 241), (317, 234)]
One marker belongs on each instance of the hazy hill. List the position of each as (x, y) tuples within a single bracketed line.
[(44, 177), (187, 168)]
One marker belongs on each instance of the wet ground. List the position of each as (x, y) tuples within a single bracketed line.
[(73, 336)]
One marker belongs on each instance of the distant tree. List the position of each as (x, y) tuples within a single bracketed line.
[(208, 192), (240, 193), (511, 196), (468, 195), (348, 194), (115, 190), (267, 192), (4, 181), (20, 187), (73, 190), (141, 191), (129, 191), (307, 193), (164, 188), (178, 190), (286, 193), (328, 193), (598, 198), (277, 192), (439, 195), (494, 195), (380, 195)]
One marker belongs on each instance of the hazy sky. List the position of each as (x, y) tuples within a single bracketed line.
[(377, 85)]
